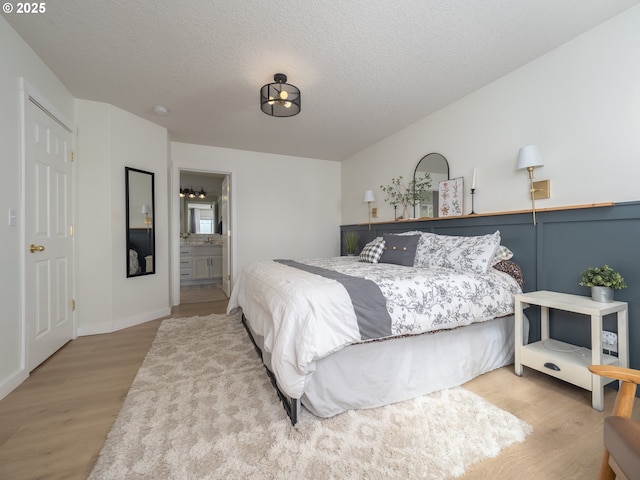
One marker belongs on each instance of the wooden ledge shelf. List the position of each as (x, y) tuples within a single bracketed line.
[(492, 214)]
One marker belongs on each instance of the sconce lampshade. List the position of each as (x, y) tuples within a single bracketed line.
[(145, 209), (280, 99), (368, 196), (529, 157)]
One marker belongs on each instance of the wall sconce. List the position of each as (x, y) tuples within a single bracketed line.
[(369, 197), (529, 157), (146, 210)]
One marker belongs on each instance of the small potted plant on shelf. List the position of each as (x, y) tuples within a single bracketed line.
[(406, 194), (351, 242), (603, 281)]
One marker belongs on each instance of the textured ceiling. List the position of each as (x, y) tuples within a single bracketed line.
[(366, 68)]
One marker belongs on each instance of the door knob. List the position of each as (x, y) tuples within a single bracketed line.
[(36, 248)]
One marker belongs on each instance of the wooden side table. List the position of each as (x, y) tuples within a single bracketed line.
[(563, 360)]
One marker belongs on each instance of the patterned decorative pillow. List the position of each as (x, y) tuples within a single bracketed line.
[(372, 251), (511, 268), (399, 249), (502, 253), (423, 250), (464, 253)]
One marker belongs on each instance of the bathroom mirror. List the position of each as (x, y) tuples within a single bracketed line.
[(140, 222), (201, 218), (438, 167)]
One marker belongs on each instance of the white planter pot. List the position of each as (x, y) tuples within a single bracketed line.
[(602, 294)]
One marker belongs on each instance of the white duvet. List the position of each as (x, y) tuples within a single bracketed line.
[(304, 317)]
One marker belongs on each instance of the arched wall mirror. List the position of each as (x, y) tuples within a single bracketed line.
[(139, 190), (438, 167)]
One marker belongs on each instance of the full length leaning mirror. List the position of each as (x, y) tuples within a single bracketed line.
[(438, 167), (139, 190)]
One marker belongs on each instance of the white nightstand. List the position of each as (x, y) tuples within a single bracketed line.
[(563, 360)]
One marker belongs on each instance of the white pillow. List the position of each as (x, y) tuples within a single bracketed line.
[(472, 254)]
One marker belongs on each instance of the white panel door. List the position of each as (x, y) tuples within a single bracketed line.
[(48, 241)]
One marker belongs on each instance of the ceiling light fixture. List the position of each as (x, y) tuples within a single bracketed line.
[(160, 110), (280, 99)]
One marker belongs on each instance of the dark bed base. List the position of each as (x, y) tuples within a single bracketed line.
[(291, 405)]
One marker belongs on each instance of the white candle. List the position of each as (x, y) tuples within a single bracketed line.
[(473, 183)]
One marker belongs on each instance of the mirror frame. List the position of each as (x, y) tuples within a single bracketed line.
[(140, 234), (434, 188)]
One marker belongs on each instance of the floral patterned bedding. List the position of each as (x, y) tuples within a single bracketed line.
[(423, 300)]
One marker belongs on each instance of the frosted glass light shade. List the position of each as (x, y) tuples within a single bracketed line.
[(368, 196)]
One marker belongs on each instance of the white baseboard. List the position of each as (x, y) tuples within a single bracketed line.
[(119, 324), (13, 382)]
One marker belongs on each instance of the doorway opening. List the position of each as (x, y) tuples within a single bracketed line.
[(204, 241)]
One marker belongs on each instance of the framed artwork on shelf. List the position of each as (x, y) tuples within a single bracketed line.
[(451, 197)]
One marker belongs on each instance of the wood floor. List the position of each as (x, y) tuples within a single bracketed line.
[(54, 424)]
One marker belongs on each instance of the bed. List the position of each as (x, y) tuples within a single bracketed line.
[(412, 314)]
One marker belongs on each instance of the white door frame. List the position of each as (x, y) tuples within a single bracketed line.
[(30, 94), (174, 242)]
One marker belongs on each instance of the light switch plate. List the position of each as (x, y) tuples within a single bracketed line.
[(13, 217)]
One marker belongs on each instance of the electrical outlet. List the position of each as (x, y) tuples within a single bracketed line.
[(609, 341)]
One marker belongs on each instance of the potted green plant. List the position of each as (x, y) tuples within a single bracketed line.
[(351, 242), (406, 194), (603, 281)]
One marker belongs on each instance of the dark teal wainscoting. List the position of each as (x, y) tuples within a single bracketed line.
[(552, 255)]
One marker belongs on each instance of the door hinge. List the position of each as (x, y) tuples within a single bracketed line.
[(73, 305), (72, 230), (73, 155)]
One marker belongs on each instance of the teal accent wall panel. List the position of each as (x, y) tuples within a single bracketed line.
[(552, 256)]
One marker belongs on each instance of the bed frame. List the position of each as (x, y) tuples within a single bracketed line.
[(291, 405)]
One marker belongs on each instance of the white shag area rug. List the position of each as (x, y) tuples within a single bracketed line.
[(202, 407)]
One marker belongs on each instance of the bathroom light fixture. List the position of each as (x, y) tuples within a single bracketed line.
[(280, 99), (529, 157), (191, 193), (369, 197)]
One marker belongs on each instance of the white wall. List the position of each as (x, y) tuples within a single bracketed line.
[(579, 103), (110, 139), (283, 207)]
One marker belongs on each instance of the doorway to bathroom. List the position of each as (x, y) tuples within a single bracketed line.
[(203, 268)]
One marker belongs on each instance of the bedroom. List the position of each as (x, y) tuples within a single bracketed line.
[(591, 147)]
